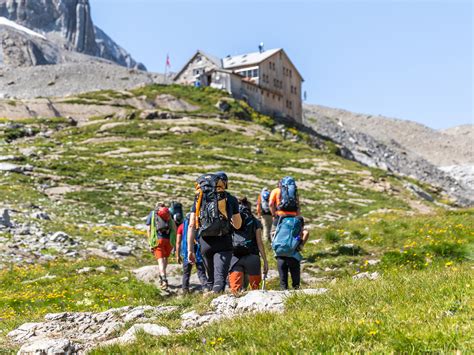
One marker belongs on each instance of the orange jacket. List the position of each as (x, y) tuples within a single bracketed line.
[(275, 199)]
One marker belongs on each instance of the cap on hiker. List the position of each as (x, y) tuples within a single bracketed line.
[(222, 175)]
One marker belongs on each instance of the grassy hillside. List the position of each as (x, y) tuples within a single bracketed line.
[(99, 178)]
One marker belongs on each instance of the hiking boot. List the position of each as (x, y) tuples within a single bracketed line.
[(163, 283), (184, 291), (207, 292)]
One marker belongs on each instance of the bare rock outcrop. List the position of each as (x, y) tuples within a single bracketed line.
[(74, 76), (79, 331), (67, 24), (49, 346), (368, 148), (228, 306)]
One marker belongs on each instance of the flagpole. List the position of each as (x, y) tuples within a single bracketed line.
[(166, 68)]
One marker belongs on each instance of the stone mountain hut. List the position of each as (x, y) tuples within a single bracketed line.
[(267, 80)]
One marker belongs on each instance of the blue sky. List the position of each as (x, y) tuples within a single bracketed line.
[(404, 59)]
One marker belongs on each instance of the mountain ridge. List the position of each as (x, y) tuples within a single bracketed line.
[(420, 151), (67, 24)]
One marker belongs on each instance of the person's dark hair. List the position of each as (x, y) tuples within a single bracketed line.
[(301, 219), (244, 202), (159, 205)]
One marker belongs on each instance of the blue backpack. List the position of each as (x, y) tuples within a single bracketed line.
[(265, 201), (289, 195), (287, 236), (184, 245)]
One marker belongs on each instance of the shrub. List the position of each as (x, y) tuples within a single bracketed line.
[(332, 236), (349, 249), (447, 250)]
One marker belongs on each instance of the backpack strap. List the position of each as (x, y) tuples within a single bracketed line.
[(153, 233), (278, 199), (259, 203), (198, 205), (227, 207)]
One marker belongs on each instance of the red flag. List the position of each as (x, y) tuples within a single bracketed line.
[(168, 63)]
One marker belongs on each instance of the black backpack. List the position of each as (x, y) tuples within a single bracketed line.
[(211, 207), (243, 239), (176, 211), (289, 195)]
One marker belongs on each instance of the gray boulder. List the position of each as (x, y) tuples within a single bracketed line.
[(229, 306), (110, 246), (124, 251), (223, 105), (418, 191), (131, 334), (60, 237), (41, 215), (367, 275), (49, 347), (13, 168)]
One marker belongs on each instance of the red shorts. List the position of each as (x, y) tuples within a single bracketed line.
[(163, 248)]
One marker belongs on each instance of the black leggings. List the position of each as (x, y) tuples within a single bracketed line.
[(217, 266), (287, 263)]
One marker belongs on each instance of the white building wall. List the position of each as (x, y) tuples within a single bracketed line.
[(199, 65)]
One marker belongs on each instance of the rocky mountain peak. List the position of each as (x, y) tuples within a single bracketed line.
[(67, 23)]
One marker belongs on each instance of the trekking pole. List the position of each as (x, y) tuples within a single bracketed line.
[(264, 282)]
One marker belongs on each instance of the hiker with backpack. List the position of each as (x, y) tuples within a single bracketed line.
[(161, 235), (247, 249), (214, 214), (176, 210), (182, 257), (290, 237), (284, 200), (264, 213)]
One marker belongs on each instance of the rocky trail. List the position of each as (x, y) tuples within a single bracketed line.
[(76, 333)]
